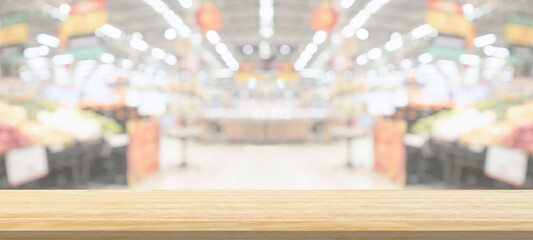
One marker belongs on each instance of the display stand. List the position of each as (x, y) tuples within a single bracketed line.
[(349, 134), (184, 134)]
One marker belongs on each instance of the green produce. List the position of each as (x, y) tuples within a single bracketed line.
[(424, 125), (109, 125)]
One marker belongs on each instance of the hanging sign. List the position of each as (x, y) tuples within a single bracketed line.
[(13, 30)]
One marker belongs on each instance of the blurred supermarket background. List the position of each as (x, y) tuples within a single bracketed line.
[(266, 94)]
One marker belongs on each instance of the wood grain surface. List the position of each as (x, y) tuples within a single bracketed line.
[(160, 210)]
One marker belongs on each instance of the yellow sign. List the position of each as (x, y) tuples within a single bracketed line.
[(13, 34), (287, 76), (84, 23), (449, 23), (245, 76), (519, 34)]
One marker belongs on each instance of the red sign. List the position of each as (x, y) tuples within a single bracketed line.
[(209, 17), (324, 17), (87, 6), (389, 149), (143, 149), (445, 6)]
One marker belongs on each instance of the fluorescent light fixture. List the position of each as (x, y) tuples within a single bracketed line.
[(374, 53), (48, 40), (159, 6), (421, 31), (111, 31), (107, 58), (362, 60), (171, 59), (266, 18), (126, 64), (469, 59), (425, 58), (394, 44), (264, 50), (347, 3), (158, 53), (285, 50), (348, 31), (221, 48), (489, 50), (320, 36), (184, 31), (64, 9), (247, 49), (484, 40), (171, 34), (37, 63), (185, 3), (63, 59), (501, 52), (213, 37), (35, 52), (468, 9), (406, 64), (494, 62), (139, 44), (362, 34), (311, 48)]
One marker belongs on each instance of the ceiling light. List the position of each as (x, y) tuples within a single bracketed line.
[(63, 59), (158, 53), (347, 3), (171, 60), (484, 40), (361, 60), (185, 3), (171, 34), (421, 31), (394, 44), (266, 32), (48, 40), (406, 64), (425, 58), (320, 36), (107, 58), (139, 44), (126, 64), (362, 34), (468, 9), (111, 31), (469, 59), (247, 49), (264, 50), (221, 48), (212, 37), (285, 50), (64, 9), (374, 53), (348, 31)]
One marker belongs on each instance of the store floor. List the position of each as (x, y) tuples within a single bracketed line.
[(288, 166)]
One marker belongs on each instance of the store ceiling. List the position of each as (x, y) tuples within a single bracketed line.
[(291, 21)]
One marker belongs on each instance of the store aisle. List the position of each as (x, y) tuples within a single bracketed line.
[(297, 166)]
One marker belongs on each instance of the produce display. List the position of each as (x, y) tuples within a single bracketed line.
[(521, 138), (424, 125), (109, 126), (69, 121), (11, 138), (463, 121)]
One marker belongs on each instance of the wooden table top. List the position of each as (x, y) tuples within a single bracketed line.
[(285, 210)]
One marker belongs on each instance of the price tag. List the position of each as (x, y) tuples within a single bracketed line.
[(24, 165), (117, 140), (415, 140), (505, 164)]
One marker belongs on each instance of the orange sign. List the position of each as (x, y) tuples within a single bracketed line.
[(209, 17), (389, 149), (519, 34), (324, 17), (13, 34), (143, 149)]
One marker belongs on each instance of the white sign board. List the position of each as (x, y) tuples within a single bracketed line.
[(117, 140), (415, 140), (505, 164), (24, 165)]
